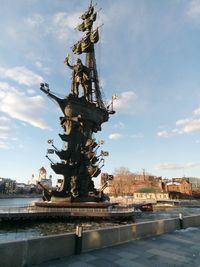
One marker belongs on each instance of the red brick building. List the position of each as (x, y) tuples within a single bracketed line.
[(131, 183), (184, 187)]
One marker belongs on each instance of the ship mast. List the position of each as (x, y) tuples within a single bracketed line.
[(86, 45)]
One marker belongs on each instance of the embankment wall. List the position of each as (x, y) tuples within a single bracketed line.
[(37, 250)]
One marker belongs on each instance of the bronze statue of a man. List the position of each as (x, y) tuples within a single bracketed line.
[(81, 75)]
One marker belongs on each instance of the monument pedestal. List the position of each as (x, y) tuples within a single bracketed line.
[(103, 210)]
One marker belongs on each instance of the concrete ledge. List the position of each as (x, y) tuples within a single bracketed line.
[(193, 221), (120, 234), (36, 250), (13, 253), (57, 246), (41, 249)]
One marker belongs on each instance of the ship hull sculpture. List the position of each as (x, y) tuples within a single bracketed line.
[(82, 116)]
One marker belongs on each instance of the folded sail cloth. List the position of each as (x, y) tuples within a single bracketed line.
[(86, 44), (87, 23), (88, 13), (94, 36)]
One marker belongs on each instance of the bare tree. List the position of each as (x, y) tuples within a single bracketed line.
[(126, 182), (122, 182)]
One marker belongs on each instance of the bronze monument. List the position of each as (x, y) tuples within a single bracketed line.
[(83, 115)]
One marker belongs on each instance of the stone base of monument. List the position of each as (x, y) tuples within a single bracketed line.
[(65, 204), (86, 209)]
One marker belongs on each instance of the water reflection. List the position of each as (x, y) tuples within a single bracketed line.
[(167, 213), (21, 230), (16, 202)]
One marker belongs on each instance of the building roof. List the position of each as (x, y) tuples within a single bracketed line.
[(173, 183), (42, 169)]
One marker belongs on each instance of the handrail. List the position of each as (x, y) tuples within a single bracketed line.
[(32, 209)]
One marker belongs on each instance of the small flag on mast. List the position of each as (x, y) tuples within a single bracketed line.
[(101, 142), (114, 97), (50, 151), (104, 153)]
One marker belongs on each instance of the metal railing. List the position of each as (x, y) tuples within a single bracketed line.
[(35, 209)]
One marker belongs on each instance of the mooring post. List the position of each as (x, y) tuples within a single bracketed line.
[(78, 239), (181, 220)]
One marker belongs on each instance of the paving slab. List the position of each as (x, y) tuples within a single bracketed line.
[(180, 248)]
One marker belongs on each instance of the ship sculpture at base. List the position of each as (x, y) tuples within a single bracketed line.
[(83, 113)]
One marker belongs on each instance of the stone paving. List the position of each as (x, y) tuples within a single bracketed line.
[(180, 248)]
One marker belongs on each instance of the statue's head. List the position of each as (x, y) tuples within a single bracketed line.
[(78, 61)]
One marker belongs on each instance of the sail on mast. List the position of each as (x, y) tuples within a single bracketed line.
[(86, 45)]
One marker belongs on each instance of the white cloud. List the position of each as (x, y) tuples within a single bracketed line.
[(6, 132), (192, 165), (168, 166), (64, 20), (189, 125), (120, 10), (185, 126), (114, 136), (102, 83), (63, 24), (60, 24), (40, 66), (197, 111), (22, 75), (31, 91), (4, 145), (5, 127), (137, 135), (163, 134), (119, 125), (20, 106), (35, 20), (125, 101), (174, 166), (4, 86), (166, 134), (182, 122), (193, 10)]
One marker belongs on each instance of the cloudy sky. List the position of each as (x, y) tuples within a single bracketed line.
[(148, 55)]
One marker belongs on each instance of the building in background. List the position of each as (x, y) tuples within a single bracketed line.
[(179, 188), (22, 189), (151, 195), (7, 186), (41, 177), (146, 186), (194, 181), (124, 183)]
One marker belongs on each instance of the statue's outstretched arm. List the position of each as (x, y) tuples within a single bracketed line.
[(66, 61)]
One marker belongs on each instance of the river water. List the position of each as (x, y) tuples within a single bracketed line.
[(21, 230), (16, 230), (15, 202)]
